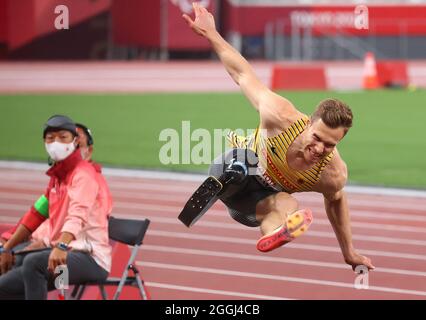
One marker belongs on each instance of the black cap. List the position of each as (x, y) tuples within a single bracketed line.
[(58, 122), (87, 132)]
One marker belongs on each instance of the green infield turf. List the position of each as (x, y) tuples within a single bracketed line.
[(386, 146)]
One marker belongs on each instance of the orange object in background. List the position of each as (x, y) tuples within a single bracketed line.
[(300, 77), (370, 75), (385, 73)]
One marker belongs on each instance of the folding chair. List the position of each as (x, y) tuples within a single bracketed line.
[(130, 232)]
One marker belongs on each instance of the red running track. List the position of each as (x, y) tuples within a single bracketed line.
[(217, 258)]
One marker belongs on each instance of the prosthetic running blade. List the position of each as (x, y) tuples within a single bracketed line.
[(201, 201)]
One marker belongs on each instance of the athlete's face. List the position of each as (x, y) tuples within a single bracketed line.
[(320, 140)]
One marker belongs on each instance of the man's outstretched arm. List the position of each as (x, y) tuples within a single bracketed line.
[(336, 207), (333, 180), (236, 65)]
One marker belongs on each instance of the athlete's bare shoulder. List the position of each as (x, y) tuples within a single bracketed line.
[(334, 176), (277, 112)]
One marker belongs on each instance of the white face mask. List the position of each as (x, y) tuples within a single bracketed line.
[(59, 151)]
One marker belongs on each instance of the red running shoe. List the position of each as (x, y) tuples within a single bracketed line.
[(295, 225)]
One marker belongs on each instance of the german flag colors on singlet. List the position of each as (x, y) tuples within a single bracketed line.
[(272, 153)]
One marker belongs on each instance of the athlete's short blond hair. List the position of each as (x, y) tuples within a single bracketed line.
[(334, 113)]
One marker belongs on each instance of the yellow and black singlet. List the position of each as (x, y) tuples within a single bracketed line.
[(274, 170)]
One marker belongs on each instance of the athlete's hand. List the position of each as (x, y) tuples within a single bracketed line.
[(204, 21), (356, 259)]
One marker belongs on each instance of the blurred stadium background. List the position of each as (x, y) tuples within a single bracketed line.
[(142, 51), (131, 68)]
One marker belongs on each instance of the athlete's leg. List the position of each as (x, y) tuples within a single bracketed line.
[(228, 175), (280, 220), (272, 211)]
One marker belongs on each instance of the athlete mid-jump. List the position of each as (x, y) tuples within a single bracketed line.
[(292, 153)]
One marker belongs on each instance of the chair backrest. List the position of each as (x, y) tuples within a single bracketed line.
[(128, 231)]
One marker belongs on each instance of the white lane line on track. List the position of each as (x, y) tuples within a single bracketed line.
[(199, 177), (354, 224), (211, 291), (354, 213), (251, 242), (186, 185), (231, 225), (186, 188), (162, 187), (181, 194), (9, 219), (290, 246), (320, 234), (215, 271), (236, 226), (252, 257), (377, 226)]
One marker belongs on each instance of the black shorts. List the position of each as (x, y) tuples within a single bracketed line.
[(242, 202)]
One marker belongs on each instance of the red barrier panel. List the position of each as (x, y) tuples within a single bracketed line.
[(298, 78), (28, 19), (392, 73), (136, 22), (3, 21), (146, 23)]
